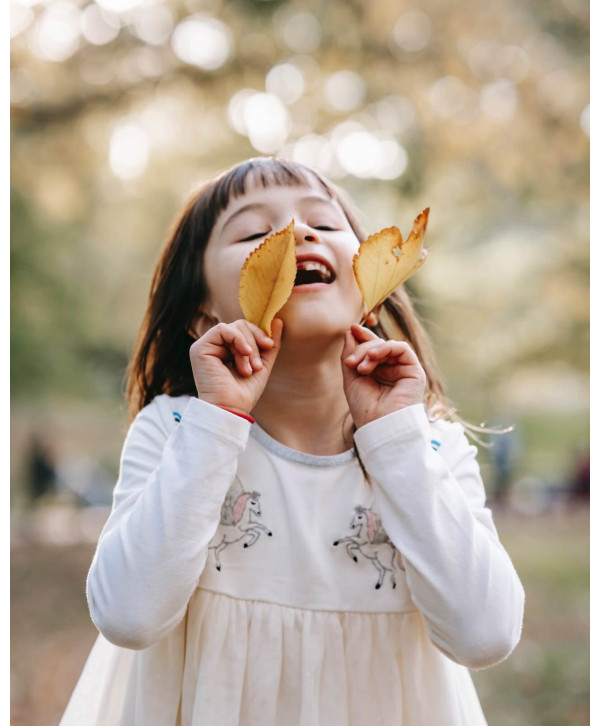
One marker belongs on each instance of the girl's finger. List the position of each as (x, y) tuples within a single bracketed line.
[(362, 333), (276, 333), (243, 365), (251, 336), (393, 349), (261, 339), (236, 346), (271, 354), (230, 343), (246, 365), (349, 345), (367, 365), (362, 349), (269, 345), (396, 357), (222, 341), (374, 358), (382, 349), (234, 339)]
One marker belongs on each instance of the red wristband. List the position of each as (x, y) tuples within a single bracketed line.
[(241, 415)]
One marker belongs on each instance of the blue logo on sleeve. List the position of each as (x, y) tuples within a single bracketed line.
[(435, 445), (177, 416)]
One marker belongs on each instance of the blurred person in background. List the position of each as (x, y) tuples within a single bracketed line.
[(505, 452), (579, 487), (41, 466)]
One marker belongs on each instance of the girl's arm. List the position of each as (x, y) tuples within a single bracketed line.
[(432, 506), (167, 502), (166, 509)]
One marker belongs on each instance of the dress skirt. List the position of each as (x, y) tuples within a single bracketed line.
[(234, 662)]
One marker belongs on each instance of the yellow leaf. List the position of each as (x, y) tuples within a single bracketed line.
[(267, 278), (384, 261)]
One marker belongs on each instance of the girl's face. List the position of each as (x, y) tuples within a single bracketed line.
[(323, 235)]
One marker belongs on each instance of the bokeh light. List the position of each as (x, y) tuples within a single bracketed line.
[(512, 64), (262, 117), (344, 91), (313, 150), (448, 96), (99, 27), (557, 91), (21, 16), (499, 101), (129, 150), (310, 69), (119, 6), (154, 24), (545, 52), (483, 57), (267, 122), (365, 154), (412, 31), (202, 41), (235, 110), (285, 81), (302, 32), (395, 114), (55, 34)]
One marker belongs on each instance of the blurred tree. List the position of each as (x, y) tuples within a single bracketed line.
[(481, 112)]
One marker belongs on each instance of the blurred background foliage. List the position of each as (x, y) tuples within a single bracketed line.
[(480, 111)]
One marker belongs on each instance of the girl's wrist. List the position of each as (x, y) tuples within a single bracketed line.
[(241, 414), (369, 418), (231, 409)]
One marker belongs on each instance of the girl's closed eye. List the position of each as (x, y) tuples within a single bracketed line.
[(256, 235)]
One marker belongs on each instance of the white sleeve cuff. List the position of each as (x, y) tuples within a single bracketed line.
[(406, 423), (219, 422)]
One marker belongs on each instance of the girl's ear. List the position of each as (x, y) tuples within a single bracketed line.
[(202, 324), (371, 320)]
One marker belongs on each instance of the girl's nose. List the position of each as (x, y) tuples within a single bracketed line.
[(305, 234)]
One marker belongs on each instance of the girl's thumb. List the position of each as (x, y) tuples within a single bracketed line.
[(349, 345), (276, 334), (277, 331)]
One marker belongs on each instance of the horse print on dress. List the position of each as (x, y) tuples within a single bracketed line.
[(372, 542), (237, 521)]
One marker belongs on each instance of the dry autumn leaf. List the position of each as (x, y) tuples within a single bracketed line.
[(267, 278), (384, 261)]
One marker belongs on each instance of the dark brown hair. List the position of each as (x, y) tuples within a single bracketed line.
[(160, 361)]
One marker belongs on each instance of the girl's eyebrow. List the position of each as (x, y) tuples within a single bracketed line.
[(241, 210), (259, 206), (318, 198)]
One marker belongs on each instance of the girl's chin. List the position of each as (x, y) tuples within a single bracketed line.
[(311, 287), (300, 323)]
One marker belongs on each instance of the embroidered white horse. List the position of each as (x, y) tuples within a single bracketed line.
[(373, 543), (237, 520)]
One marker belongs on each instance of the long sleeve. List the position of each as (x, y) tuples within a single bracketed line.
[(432, 506), (166, 509)]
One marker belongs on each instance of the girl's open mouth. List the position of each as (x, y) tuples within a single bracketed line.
[(309, 272)]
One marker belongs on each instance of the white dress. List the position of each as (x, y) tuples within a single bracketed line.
[(240, 582)]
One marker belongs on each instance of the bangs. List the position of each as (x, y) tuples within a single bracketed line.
[(266, 172)]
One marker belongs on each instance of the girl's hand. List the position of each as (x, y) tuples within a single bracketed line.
[(380, 376), (232, 362)]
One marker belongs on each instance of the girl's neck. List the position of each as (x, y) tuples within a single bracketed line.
[(304, 405)]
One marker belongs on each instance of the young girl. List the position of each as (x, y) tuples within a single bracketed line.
[(298, 536)]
